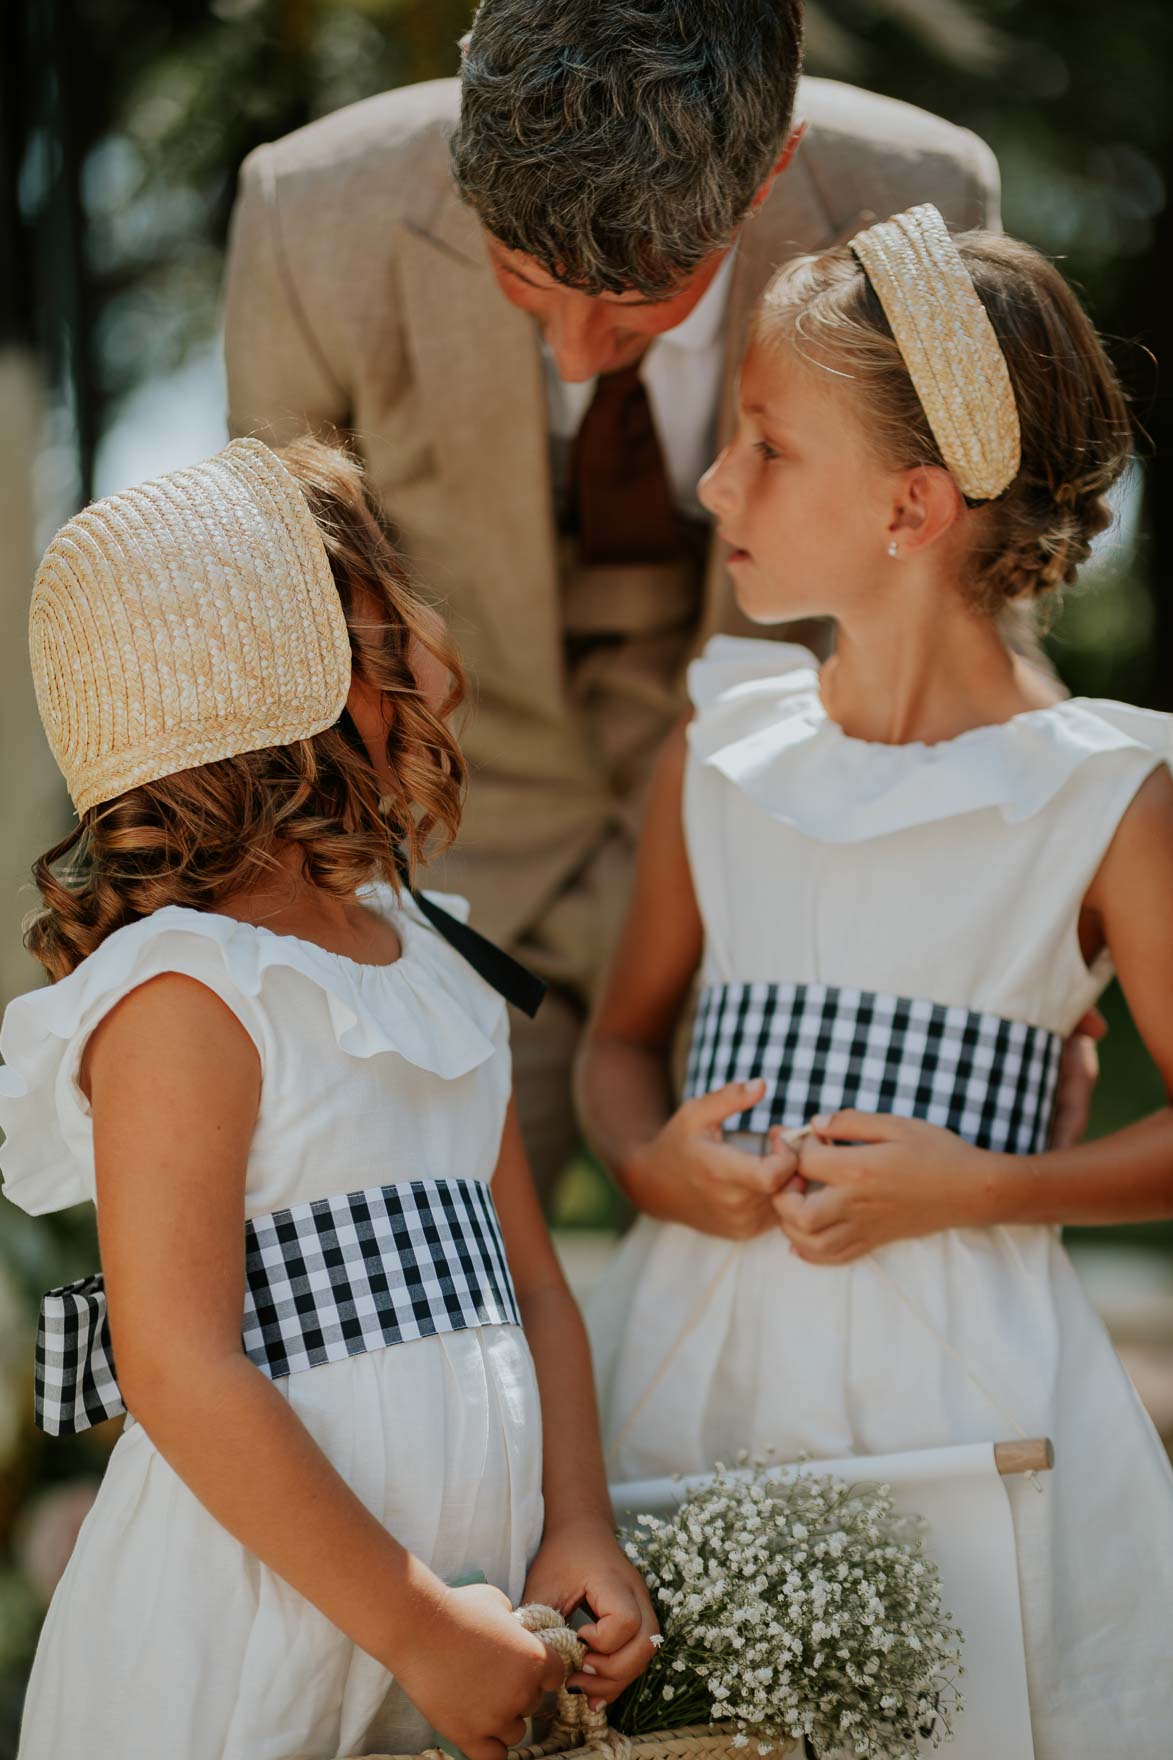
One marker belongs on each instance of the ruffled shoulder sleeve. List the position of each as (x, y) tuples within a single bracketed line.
[(1148, 729), (47, 1155), (736, 672), (429, 1008)]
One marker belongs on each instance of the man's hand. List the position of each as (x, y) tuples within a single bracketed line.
[(583, 1562), (1078, 1074), (686, 1173), (880, 1178)]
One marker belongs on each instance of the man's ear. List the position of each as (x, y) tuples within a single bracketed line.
[(793, 142)]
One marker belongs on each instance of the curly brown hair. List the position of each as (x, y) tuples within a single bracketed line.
[(1076, 433), (197, 837)]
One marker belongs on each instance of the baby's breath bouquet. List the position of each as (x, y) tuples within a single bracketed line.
[(795, 1605)]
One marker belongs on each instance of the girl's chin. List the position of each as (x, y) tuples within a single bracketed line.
[(766, 605)]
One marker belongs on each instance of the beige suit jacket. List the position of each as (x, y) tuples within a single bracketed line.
[(359, 294)]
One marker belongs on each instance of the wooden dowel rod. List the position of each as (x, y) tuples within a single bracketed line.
[(1034, 1454)]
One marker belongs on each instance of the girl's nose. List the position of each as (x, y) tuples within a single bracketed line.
[(713, 488)]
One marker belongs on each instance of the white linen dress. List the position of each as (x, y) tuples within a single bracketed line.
[(165, 1636), (952, 873)]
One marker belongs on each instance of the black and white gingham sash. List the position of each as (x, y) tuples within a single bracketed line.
[(820, 1048), (325, 1280)]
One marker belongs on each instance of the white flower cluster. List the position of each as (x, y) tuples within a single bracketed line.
[(796, 1605)]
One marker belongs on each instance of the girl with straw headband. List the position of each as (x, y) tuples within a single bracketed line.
[(902, 878), (284, 1079)]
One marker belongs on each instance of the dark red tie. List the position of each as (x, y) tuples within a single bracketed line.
[(620, 499)]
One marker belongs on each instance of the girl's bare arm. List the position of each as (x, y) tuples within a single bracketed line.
[(175, 1082), (1127, 1176), (579, 1559), (885, 1178), (672, 1164)]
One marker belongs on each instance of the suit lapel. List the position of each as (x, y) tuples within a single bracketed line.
[(479, 369)]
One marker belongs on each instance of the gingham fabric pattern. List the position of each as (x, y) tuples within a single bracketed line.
[(341, 1276), (325, 1280), (73, 1383), (821, 1048)]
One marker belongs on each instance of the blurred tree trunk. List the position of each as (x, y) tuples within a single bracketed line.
[(1151, 318), (34, 806)]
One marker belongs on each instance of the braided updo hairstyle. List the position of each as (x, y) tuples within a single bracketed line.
[(196, 837), (1076, 434)]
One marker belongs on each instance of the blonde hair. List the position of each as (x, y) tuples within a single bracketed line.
[(1076, 434), (196, 837)]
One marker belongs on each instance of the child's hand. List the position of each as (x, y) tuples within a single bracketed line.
[(1079, 1072), (584, 1562), (476, 1674), (687, 1174), (879, 1178)]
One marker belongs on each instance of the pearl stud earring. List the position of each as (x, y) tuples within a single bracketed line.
[(893, 551)]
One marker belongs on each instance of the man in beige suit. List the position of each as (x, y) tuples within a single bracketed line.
[(629, 177)]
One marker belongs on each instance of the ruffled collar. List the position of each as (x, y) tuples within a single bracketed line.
[(429, 1007), (762, 724)]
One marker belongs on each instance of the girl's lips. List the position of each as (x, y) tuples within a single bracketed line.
[(736, 553)]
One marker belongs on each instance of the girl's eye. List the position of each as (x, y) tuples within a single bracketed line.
[(764, 448)]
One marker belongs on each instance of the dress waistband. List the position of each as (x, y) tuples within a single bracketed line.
[(821, 1048), (332, 1278)]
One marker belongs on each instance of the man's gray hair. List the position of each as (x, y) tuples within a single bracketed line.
[(621, 142)]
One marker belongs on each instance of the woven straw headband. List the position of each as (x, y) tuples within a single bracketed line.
[(188, 619), (953, 357)]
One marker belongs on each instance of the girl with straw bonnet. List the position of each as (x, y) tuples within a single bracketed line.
[(328, 1301), (902, 879)]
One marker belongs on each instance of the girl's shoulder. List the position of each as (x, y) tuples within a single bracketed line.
[(43, 1112), (760, 724), (428, 1008)]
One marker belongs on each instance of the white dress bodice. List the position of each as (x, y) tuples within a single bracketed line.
[(952, 872)]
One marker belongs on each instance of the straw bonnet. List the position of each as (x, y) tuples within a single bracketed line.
[(187, 619), (954, 359)]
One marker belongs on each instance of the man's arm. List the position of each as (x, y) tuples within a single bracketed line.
[(982, 166), (279, 380), (872, 156)]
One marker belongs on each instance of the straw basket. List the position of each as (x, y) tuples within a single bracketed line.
[(583, 1734)]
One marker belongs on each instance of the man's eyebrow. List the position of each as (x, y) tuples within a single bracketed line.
[(622, 305)]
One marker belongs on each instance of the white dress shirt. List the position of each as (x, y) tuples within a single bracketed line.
[(682, 373)]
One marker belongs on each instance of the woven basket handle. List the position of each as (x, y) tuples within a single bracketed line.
[(574, 1725)]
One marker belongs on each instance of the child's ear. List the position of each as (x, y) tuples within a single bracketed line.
[(927, 504)]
